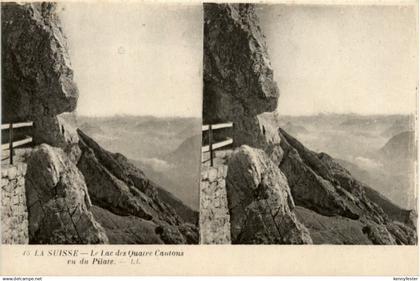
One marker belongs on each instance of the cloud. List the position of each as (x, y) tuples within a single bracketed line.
[(368, 164), (157, 164)]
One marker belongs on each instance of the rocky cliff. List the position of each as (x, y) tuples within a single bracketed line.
[(279, 191), (238, 78), (37, 77), (117, 186), (325, 189), (76, 191)]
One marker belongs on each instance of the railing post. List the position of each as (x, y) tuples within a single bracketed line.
[(211, 145), (11, 142)]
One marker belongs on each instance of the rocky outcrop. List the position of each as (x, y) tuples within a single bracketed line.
[(117, 186), (238, 78), (239, 87), (260, 203), (34, 83), (320, 184), (58, 201)]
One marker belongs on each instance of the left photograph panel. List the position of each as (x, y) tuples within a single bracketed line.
[(101, 123)]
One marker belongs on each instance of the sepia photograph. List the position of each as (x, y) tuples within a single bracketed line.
[(194, 138), (309, 124), (100, 132)]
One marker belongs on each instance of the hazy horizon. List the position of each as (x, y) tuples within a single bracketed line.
[(336, 59), (274, 112), (345, 113), (342, 59), (128, 115), (135, 58)]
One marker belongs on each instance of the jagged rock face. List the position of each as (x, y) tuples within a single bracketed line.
[(260, 203), (34, 83), (312, 184), (379, 235), (332, 230), (58, 202), (347, 210), (238, 78), (402, 233), (117, 186), (37, 79)]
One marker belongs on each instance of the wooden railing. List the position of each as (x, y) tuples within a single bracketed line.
[(211, 147), (11, 144)]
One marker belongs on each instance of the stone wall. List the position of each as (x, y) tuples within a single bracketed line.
[(214, 214), (14, 214)]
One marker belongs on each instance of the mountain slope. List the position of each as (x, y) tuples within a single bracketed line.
[(180, 174), (399, 147), (319, 184), (118, 186)]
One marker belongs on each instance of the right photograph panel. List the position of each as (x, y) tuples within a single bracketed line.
[(309, 124)]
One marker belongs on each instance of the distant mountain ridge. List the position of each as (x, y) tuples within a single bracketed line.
[(360, 149), (399, 147), (183, 178)]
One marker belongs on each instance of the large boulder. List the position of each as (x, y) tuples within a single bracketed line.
[(260, 204), (37, 82), (59, 208), (55, 131)]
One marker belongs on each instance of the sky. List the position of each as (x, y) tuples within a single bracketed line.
[(135, 59), (342, 59)]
